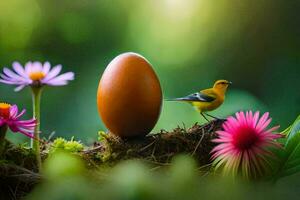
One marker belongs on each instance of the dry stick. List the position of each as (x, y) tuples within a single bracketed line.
[(92, 150), (147, 146), (198, 144), (153, 152)]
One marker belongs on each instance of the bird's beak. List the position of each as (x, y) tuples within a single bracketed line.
[(229, 82)]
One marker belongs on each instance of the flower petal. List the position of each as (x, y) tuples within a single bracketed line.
[(9, 82), (13, 111), (61, 79), (255, 118), (19, 88), (273, 129), (20, 114), (46, 68), (36, 67), (53, 73), (28, 67), (264, 125), (262, 120), (13, 75), (19, 69)]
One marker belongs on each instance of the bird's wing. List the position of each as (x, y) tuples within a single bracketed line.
[(198, 96)]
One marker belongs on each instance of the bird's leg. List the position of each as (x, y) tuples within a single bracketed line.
[(214, 117), (204, 117), (211, 116)]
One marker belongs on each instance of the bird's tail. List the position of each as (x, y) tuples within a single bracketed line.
[(177, 99)]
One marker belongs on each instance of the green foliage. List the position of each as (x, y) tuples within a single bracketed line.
[(60, 144), (289, 162), (293, 129)]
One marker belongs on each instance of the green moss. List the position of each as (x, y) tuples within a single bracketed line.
[(73, 146), (102, 136), (60, 144), (19, 155)]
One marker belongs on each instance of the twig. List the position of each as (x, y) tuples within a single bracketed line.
[(147, 146), (198, 144)]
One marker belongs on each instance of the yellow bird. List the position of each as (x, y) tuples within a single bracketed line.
[(208, 99)]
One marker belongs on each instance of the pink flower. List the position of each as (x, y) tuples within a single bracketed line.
[(35, 74), (10, 117), (244, 145)]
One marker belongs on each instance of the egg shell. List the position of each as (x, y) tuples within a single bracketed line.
[(129, 96)]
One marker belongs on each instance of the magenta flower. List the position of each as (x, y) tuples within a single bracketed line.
[(244, 145), (10, 117), (35, 74)]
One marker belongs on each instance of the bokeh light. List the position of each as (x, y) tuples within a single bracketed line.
[(190, 43)]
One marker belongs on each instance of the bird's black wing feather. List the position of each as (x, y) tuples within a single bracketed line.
[(199, 96)]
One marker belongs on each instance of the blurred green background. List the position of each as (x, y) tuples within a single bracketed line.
[(191, 43), (132, 180)]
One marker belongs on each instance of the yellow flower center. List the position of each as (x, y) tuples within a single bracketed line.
[(36, 76), (4, 110)]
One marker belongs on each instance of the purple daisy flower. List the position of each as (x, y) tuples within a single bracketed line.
[(35, 74), (10, 117)]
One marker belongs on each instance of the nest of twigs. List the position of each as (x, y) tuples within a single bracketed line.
[(157, 149)]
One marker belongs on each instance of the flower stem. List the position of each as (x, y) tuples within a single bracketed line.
[(35, 142), (3, 130)]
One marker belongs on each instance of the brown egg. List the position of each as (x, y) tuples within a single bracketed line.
[(129, 96)]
